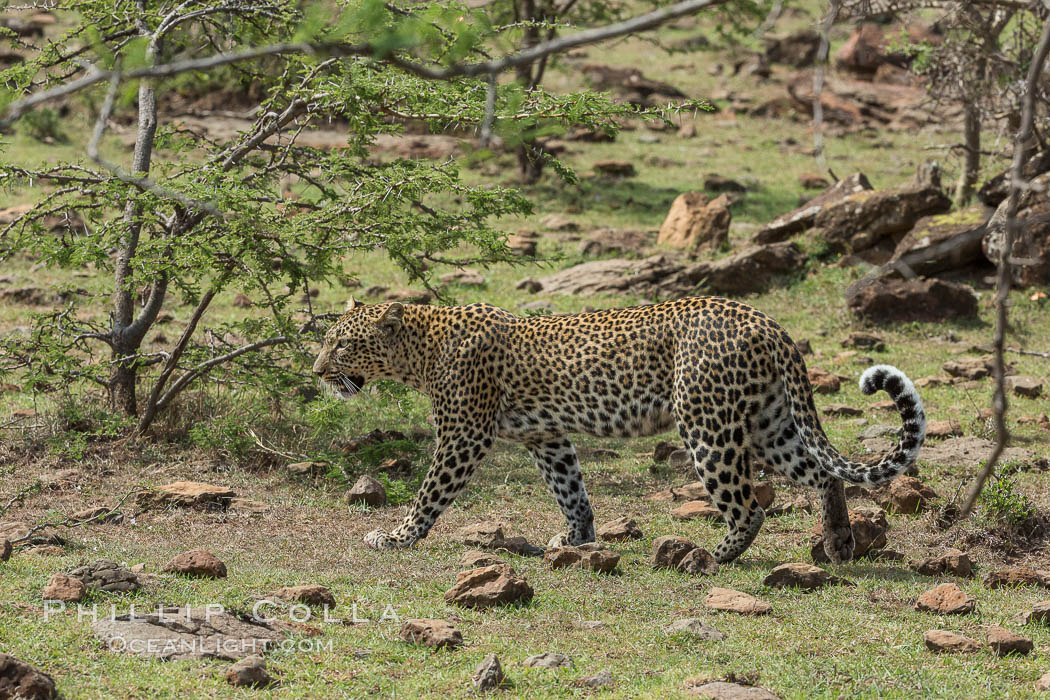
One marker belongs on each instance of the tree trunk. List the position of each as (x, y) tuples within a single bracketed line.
[(530, 163), (971, 157), (126, 333)]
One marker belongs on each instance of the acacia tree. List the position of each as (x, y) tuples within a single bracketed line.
[(191, 216)]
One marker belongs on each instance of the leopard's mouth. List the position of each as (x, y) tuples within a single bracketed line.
[(347, 386)]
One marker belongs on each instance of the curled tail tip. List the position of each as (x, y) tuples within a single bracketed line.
[(879, 377)]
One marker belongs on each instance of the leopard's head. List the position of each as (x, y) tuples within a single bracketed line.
[(359, 347)]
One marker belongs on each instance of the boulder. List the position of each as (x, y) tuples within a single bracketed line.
[(249, 672), (798, 49), (488, 675), (198, 562), (750, 270), (367, 490), (950, 563), (1004, 642), (64, 588), (945, 642), (930, 300), (729, 600), (1031, 248), (861, 220), (186, 494), (787, 225), (19, 679), (431, 633), (620, 530), (489, 586), (946, 599), (941, 242), (801, 575), (696, 223)]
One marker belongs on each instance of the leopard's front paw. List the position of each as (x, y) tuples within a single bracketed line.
[(378, 539)]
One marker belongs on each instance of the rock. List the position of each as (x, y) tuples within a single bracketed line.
[(663, 450), (182, 633), (719, 183), (44, 550), (602, 679), (764, 493), (691, 510), (721, 690), (17, 530), (950, 563), (812, 181), (529, 284), (247, 505), (431, 633), (64, 588), (1043, 684), (752, 269), (524, 245), (1032, 247), (693, 491), (538, 306), (734, 601), (968, 452), (556, 222), (106, 576), (489, 535), (867, 341), (869, 535), (787, 225), (186, 494), (945, 642), (1013, 577), (1004, 642), (943, 428), (698, 562), (970, 367), (615, 168), (946, 599), (905, 495), (1040, 612), (696, 223), (610, 241), (21, 680), (938, 243), (800, 504), (801, 575), (997, 188), (630, 85), (488, 675), (931, 300), (1024, 386), (100, 515), (669, 550), (549, 659), (198, 562), (5, 549), (489, 586), (680, 460), (309, 594), (867, 50), (367, 490), (823, 382), (696, 628), (242, 301), (476, 559), (249, 672), (595, 558), (842, 410), (798, 49), (466, 277)]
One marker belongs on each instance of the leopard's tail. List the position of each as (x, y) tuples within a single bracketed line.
[(913, 432)]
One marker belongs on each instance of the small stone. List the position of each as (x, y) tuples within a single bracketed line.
[(19, 679), (5, 549), (249, 672), (867, 341), (694, 491), (801, 575), (487, 535), (970, 367), (943, 641), (309, 594), (698, 562), (529, 284), (663, 450), (242, 301), (431, 633), (562, 557), (549, 659), (800, 504), (946, 599), (614, 168), (1024, 386), (823, 382), (186, 494), (735, 601), (602, 679), (198, 562), (843, 410), (556, 222), (943, 429), (669, 550), (476, 559), (488, 675), (721, 690), (601, 560), (307, 468), (466, 277), (247, 505), (489, 586), (696, 628), (64, 588), (1040, 613), (690, 510), (620, 530), (520, 546), (44, 550), (680, 459), (905, 495), (1004, 642), (1043, 684), (951, 563), (1017, 576), (367, 490)]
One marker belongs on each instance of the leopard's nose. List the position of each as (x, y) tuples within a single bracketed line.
[(318, 367)]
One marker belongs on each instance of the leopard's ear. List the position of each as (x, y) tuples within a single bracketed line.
[(390, 321), (352, 304)]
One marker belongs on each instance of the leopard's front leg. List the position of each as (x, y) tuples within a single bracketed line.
[(462, 444)]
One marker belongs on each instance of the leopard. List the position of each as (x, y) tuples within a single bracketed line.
[(724, 374)]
